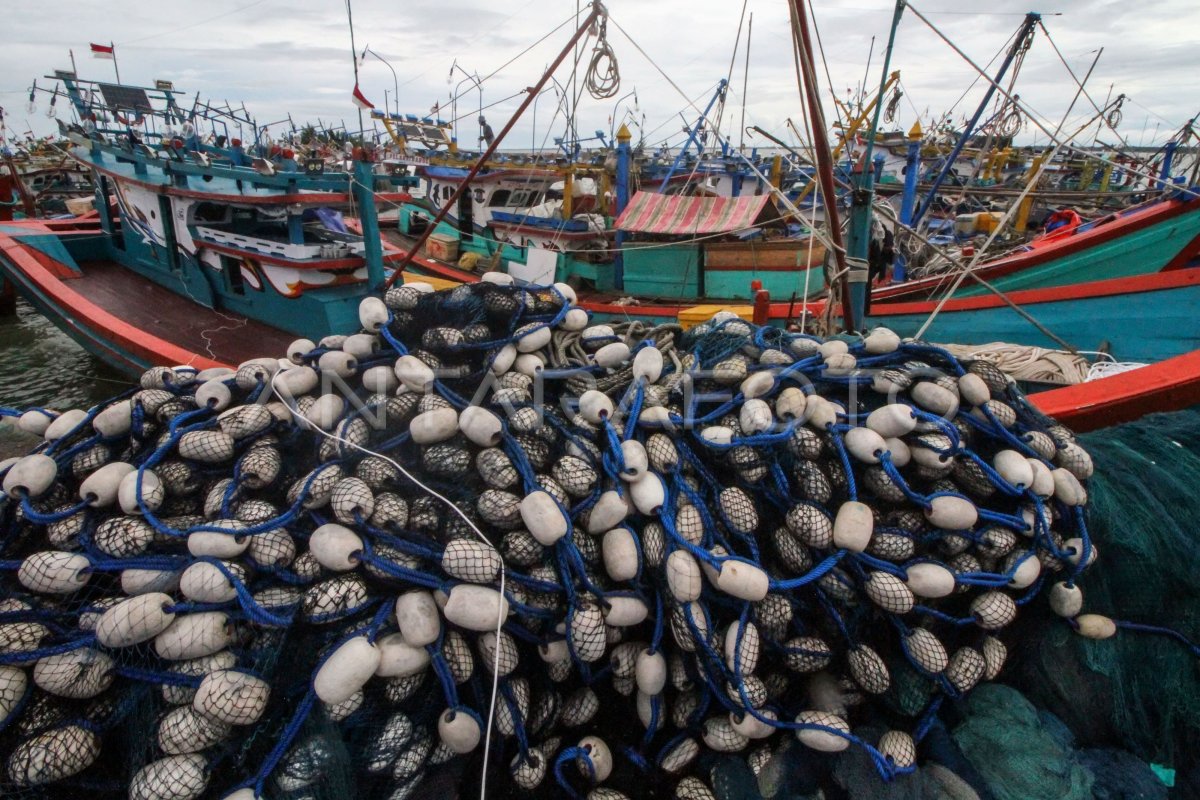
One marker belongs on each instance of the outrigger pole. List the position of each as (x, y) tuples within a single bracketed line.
[(531, 94)]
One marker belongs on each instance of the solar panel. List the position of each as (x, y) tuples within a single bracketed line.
[(125, 97), (430, 135)]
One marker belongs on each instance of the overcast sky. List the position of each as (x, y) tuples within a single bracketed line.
[(294, 56)]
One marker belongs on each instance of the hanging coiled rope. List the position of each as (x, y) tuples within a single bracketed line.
[(603, 77)]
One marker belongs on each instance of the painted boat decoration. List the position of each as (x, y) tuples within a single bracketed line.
[(1158, 235)]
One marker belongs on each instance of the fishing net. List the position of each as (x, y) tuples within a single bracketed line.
[(621, 561), (1141, 690)]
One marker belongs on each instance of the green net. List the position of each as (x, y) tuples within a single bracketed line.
[(1137, 691)]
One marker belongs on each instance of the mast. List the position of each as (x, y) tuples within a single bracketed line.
[(823, 153), (861, 199), (354, 60), (1018, 46), (530, 95)]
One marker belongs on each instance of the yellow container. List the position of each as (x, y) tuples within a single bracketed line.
[(987, 221), (436, 283), (691, 317)]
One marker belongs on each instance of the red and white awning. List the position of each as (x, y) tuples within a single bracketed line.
[(649, 212)]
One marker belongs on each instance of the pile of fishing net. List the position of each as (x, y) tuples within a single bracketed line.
[(486, 540)]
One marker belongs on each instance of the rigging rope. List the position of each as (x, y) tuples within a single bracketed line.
[(1033, 117), (603, 77)]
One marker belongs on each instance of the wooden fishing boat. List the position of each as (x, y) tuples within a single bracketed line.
[(1140, 318), (114, 313), (200, 248), (1158, 235), (145, 325), (1162, 235)]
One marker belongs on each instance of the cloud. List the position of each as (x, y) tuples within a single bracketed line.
[(294, 57)]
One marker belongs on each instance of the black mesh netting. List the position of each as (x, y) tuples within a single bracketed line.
[(726, 562)]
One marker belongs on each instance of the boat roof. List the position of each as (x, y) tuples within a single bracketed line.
[(650, 212)]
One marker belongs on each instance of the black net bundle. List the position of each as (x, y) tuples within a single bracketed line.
[(622, 561)]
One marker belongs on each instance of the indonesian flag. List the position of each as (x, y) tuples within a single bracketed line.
[(103, 51), (360, 100)]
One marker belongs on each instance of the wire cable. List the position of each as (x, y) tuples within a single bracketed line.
[(304, 423)]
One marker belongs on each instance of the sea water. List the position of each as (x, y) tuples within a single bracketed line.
[(42, 366)]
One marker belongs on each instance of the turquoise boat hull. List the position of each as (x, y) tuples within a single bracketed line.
[(1145, 318), (1147, 239)]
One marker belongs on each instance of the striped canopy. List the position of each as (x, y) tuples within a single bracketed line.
[(649, 212)]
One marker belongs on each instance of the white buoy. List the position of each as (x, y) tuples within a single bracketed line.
[(336, 547), (532, 337), (952, 513), (114, 421), (232, 697), (1095, 626), (504, 359), (434, 426), (194, 635), (418, 617), (648, 494), (476, 608), (611, 355), (543, 517), (372, 313), (635, 459), (414, 373), (881, 341), (625, 611), (399, 658), (54, 572), (346, 670), (76, 674), (53, 755), (1066, 601), (35, 421), (598, 756), (135, 620), (151, 496), (64, 423), (853, 526), (892, 420), (683, 576), (458, 730), (380, 379), (935, 399), (743, 580), (973, 389), (480, 426), (217, 543), (648, 364), (595, 406), (620, 554), (865, 445), (100, 488), (822, 740), (929, 580)]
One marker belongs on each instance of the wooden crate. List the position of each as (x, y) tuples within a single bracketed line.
[(778, 254), (442, 247)]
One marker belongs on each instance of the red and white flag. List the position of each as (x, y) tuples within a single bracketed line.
[(360, 100), (103, 51)]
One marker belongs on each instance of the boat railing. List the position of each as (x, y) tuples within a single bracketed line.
[(306, 251)]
